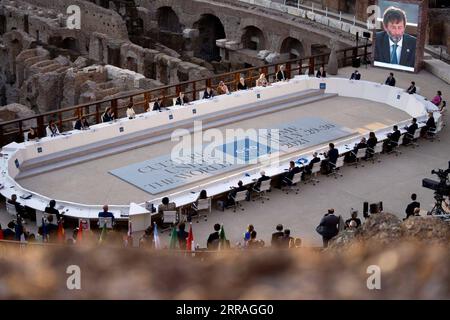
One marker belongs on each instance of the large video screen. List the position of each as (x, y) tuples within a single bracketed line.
[(396, 38)]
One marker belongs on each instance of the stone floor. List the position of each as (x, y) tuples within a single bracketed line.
[(391, 181)]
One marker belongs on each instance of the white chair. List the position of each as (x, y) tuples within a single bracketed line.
[(360, 153), (174, 101), (105, 220), (335, 168), (25, 136), (202, 205), (292, 184), (432, 134), (376, 152), (11, 209), (395, 149), (238, 197), (416, 136), (314, 171), (261, 190), (170, 217)]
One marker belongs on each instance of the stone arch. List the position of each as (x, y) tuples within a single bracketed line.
[(70, 43), (168, 20), (253, 38), (292, 48), (210, 29)]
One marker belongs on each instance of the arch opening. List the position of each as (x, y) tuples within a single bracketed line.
[(210, 29), (253, 39)]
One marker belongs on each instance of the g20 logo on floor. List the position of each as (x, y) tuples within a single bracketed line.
[(74, 19)]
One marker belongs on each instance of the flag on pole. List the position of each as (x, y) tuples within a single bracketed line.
[(129, 235), (173, 238), (80, 232), (222, 238), (156, 237), (103, 234), (44, 231), (190, 240), (1, 234), (60, 233)]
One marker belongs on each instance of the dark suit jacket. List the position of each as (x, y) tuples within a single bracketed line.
[(277, 238), (156, 106), (330, 223), (281, 75), (207, 95), (390, 81), (180, 103), (411, 89), (412, 129), (333, 155), (355, 76), (410, 208), (431, 123), (395, 136), (383, 51), (242, 86)]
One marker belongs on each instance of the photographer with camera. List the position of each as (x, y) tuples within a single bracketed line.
[(441, 190)]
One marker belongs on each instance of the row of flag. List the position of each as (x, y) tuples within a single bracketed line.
[(173, 244)]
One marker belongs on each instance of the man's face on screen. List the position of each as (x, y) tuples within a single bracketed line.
[(395, 30)]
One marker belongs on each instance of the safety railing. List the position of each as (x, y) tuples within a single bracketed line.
[(64, 118)]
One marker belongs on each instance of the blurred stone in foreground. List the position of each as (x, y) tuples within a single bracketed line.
[(413, 256)]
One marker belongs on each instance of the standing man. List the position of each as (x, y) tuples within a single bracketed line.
[(329, 227), (393, 45)]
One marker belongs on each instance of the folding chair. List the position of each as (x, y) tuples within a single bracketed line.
[(262, 190), (202, 205), (11, 209), (292, 184), (376, 152), (360, 153), (170, 218), (335, 168), (238, 197)]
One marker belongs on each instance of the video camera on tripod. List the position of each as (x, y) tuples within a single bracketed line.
[(441, 188)]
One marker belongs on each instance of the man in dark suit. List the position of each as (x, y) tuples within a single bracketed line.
[(410, 132), (355, 75), (393, 45), (281, 74), (106, 214), (330, 159), (181, 100), (410, 208), (52, 210), (430, 125), (288, 176), (157, 105), (277, 237), (412, 88), (390, 81), (213, 239), (261, 179), (329, 224), (392, 141)]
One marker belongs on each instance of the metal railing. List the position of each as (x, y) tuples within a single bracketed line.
[(13, 130)]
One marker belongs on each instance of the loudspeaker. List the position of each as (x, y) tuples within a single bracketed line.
[(356, 62), (366, 209), (366, 35)]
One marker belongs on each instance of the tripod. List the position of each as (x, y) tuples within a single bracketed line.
[(437, 209)]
